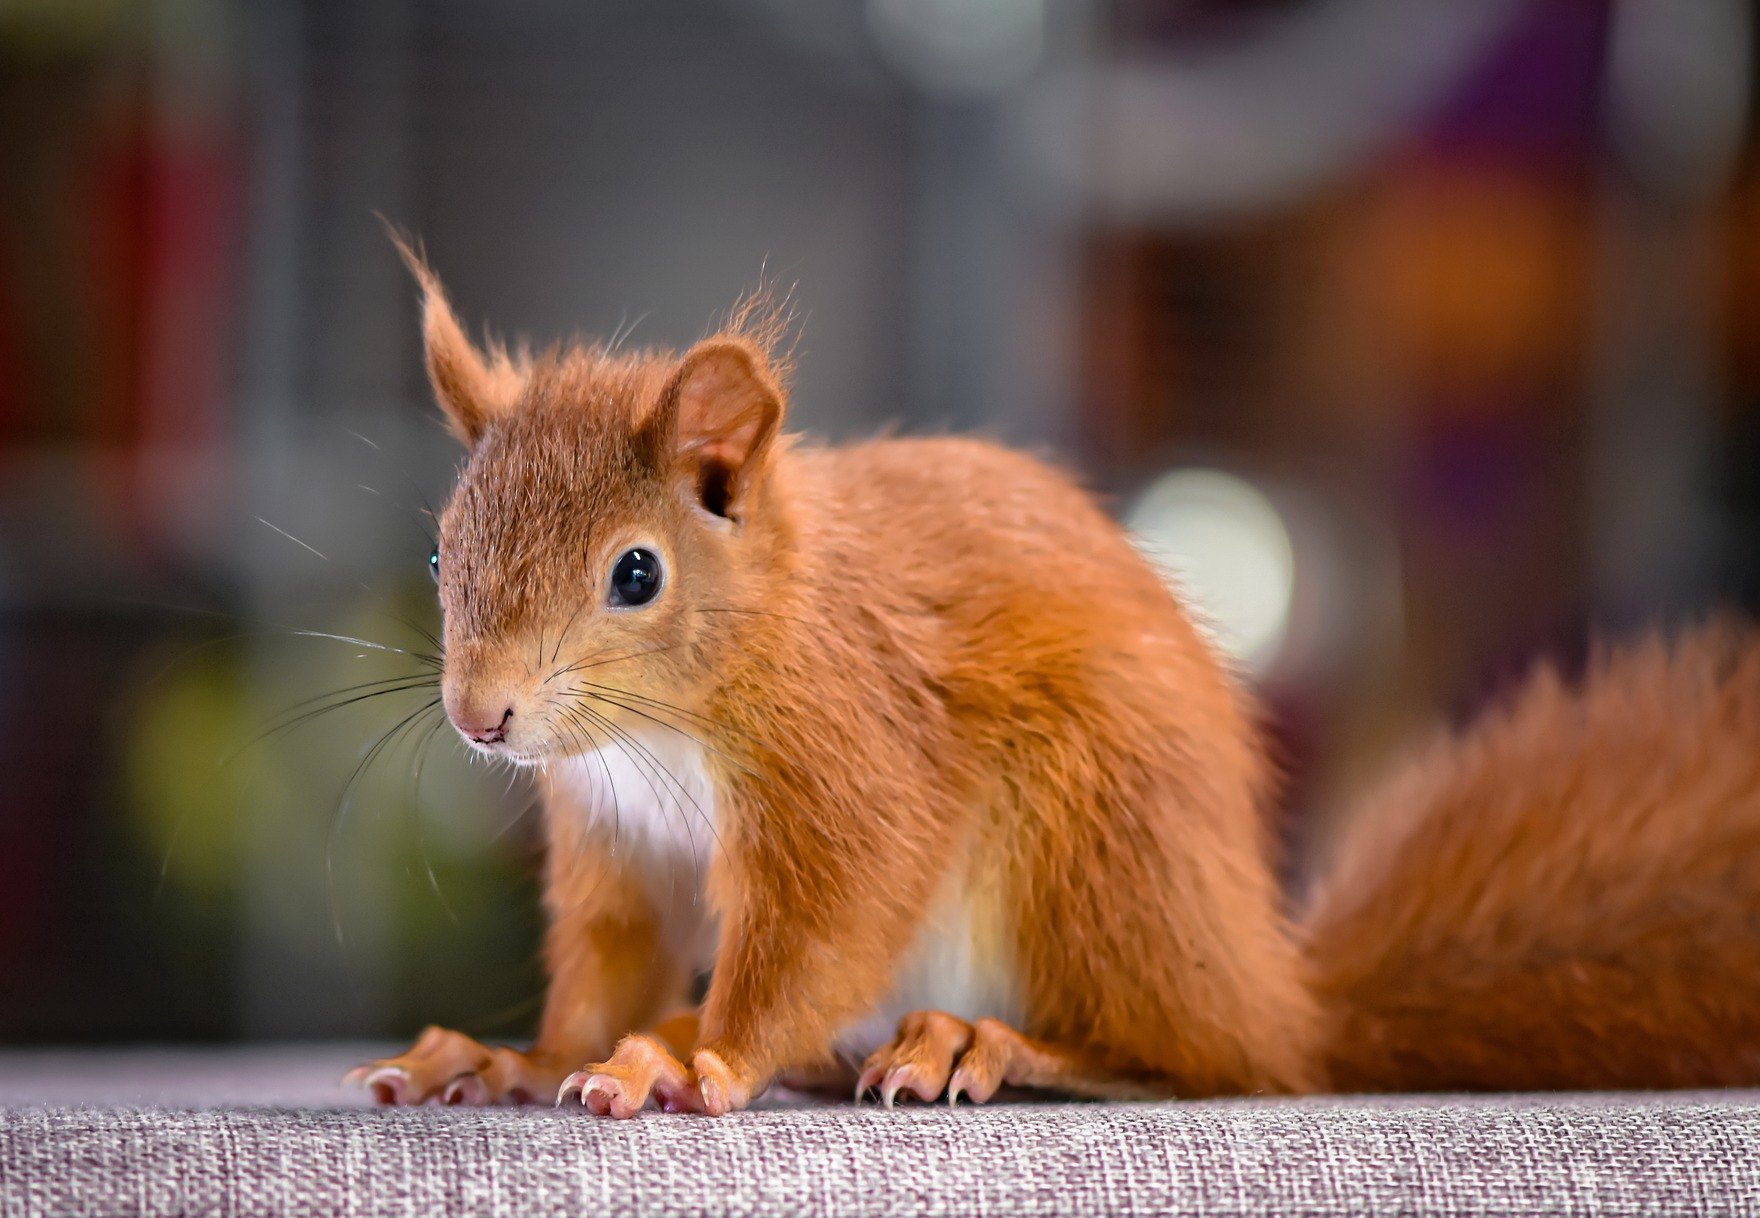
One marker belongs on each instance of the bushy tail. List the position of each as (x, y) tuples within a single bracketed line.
[(1567, 895)]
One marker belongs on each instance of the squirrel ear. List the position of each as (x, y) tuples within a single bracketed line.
[(722, 407), (472, 387)]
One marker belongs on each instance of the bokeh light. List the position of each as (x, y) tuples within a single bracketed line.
[(1226, 549)]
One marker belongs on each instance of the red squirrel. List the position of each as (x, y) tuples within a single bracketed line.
[(907, 746)]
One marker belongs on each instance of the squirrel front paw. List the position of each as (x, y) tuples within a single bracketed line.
[(639, 1069), (452, 1068), (720, 1087)]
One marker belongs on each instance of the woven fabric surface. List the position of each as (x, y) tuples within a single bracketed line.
[(1602, 1155)]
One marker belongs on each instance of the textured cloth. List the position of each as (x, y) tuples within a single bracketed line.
[(1613, 1155)]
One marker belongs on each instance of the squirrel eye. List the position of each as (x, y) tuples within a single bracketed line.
[(434, 563), (635, 578)]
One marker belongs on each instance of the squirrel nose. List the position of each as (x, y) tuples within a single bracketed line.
[(481, 727)]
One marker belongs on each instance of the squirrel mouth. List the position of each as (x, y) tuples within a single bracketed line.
[(501, 752)]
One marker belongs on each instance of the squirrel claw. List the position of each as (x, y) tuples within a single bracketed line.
[(390, 1085), (452, 1068), (603, 1095), (718, 1090), (907, 1079), (935, 1053), (465, 1089), (641, 1068), (869, 1079)]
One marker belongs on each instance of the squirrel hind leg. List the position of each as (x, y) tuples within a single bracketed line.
[(936, 1054)]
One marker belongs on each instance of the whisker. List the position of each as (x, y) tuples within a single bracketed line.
[(413, 800), (609, 700), (584, 664), (343, 805), (648, 775), (706, 721), (612, 729), (421, 758), (579, 734), (434, 880), (423, 678), (574, 731), (610, 783), (296, 541), (425, 634), (261, 627), (364, 587), (524, 811), (630, 655), (577, 611), (579, 716), (184, 655), (402, 470), (433, 661), (394, 685)]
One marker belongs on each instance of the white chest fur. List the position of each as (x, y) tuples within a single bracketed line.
[(658, 797), (960, 963), (652, 790), (654, 794)]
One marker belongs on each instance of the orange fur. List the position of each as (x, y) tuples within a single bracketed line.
[(957, 739)]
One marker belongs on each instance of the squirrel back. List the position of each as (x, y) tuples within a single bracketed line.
[(1566, 895)]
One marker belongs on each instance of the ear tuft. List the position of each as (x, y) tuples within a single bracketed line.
[(472, 386), (722, 408), (765, 319)]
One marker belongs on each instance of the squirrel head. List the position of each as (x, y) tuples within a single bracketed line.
[(613, 510)]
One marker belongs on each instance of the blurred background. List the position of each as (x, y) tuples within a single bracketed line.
[(1418, 338)]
